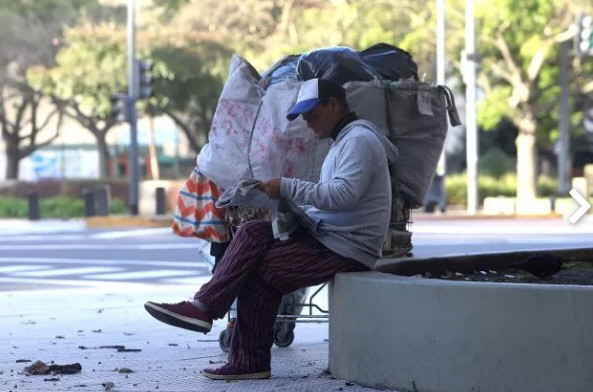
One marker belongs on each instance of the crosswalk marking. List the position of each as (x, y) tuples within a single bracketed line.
[(140, 275), (137, 233), (66, 271), (111, 246), (19, 268), (201, 260), (196, 281)]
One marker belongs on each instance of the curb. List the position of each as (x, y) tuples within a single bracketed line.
[(128, 221), (417, 215)]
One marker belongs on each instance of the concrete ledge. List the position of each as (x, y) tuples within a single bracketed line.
[(454, 336), (129, 221), (466, 263)]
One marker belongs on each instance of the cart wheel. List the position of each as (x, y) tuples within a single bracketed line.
[(224, 340), (283, 338)]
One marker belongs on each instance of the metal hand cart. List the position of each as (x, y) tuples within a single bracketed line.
[(290, 312)]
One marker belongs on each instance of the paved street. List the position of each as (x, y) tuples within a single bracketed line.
[(439, 237), (71, 255), (67, 291), (75, 256)]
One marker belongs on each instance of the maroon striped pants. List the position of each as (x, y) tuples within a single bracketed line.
[(257, 270)]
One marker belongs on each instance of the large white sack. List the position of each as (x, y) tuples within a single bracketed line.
[(224, 158), (250, 136), (282, 148)]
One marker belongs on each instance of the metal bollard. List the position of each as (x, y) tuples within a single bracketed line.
[(33, 201), (102, 196), (89, 203), (160, 201)]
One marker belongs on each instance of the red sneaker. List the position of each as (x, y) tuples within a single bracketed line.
[(226, 372), (182, 315)]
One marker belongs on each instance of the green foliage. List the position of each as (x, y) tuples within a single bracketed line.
[(13, 207), (495, 163), (489, 186), (90, 67), (54, 207), (61, 207), (117, 206)]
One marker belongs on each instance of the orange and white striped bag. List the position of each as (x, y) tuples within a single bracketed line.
[(196, 213)]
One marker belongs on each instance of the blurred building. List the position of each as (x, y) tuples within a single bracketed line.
[(74, 154)]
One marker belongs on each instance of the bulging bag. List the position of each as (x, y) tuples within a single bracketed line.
[(224, 158), (340, 64), (196, 213), (413, 115)]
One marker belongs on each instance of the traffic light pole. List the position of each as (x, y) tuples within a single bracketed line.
[(471, 129), (131, 110), (564, 140)]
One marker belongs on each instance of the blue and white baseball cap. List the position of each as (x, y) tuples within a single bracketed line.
[(313, 92)]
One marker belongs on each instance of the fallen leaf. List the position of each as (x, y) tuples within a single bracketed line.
[(125, 370), (23, 360), (96, 331), (37, 367)]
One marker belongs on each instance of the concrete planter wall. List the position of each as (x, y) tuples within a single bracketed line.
[(456, 336)]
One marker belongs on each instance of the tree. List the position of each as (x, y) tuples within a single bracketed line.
[(90, 67), (189, 81), (519, 49), (20, 129), (30, 34)]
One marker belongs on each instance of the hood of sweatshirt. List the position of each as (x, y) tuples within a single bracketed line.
[(390, 149)]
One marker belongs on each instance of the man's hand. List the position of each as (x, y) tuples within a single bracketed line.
[(271, 188)]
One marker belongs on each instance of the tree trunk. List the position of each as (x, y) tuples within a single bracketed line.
[(526, 171), (103, 157), (12, 163), (154, 160)]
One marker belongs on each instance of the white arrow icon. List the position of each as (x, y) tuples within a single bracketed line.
[(583, 203)]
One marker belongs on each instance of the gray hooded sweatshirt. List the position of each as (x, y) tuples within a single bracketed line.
[(348, 211)]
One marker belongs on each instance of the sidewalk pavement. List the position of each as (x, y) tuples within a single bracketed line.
[(69, 326)]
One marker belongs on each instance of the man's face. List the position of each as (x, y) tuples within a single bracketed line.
[(323, 118)]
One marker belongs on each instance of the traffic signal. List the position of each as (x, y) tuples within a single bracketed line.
[(119, 110), (585, 37), (145, 79)]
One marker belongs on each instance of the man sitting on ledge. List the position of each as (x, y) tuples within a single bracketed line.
[(347, 212)]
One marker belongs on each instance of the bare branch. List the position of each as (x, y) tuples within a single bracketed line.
[(24, 152), (499, 71), (48, 118), (503, 47), (186, 130), (567, 35), (536, 63)]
